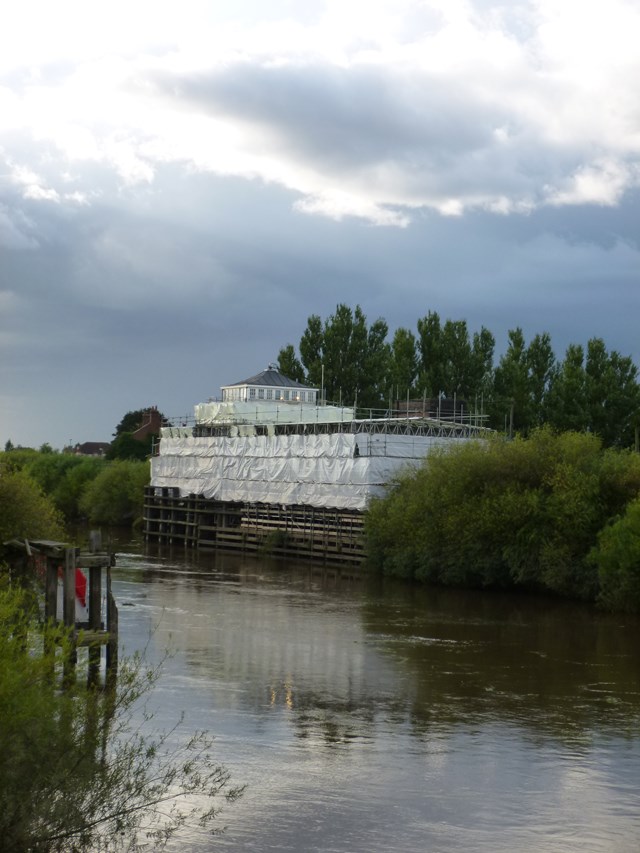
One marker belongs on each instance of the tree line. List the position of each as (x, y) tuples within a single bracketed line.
[(78, 488), (592, 389), (105, 490)]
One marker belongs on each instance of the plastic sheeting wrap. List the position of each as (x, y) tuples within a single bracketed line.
[(340, 470), (272, 411)]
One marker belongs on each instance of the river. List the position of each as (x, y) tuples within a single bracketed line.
[(366, 716)]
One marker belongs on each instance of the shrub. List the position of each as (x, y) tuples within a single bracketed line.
[(116, 495), (496, 513), (25, 511), (617, 559)]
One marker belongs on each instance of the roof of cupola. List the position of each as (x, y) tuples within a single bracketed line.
[(270, 378)]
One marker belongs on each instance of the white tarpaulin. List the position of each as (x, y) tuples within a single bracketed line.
[(271, 411), (341, 470)]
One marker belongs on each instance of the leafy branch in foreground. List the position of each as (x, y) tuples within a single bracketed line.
[(78, 772)]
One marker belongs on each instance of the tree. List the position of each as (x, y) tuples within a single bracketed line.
[(541, 366), (613, 395), (431, 378), (68, 492), (76, 773), (567, 407), (125, 446), (311, 351), (49, 469), (522, 382), (450, 363), (344, 357), (116, 495), (374, 366), (134, 420), (344, 340), (617, 559), (8, 446), (482, 363), (521, 513), (352, 361), (597, 393), (403, 363), (290, 365), (25, 511)]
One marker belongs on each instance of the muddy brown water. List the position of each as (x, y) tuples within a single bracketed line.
[(366, 716)]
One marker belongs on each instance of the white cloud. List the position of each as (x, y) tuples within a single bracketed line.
[(368, 109), (338, 205), (602, 182)]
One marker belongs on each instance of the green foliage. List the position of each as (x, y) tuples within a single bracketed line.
[(617, 559), (344, 356), (68, 491), (596, 392), (504, 514), (290, 365), (17, 458), (125, 446), (116, 495), (48, 469), (522, 383), (62, 476), (403, 370), (76, 773), (25, 511), (131, 421), (68, 481)]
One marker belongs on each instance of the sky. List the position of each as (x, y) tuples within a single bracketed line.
[(183, 185)]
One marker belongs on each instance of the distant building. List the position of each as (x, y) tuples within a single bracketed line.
[(151, 424), (91, 448)]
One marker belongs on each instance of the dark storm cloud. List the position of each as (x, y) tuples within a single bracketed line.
[(349, 119), (152, 238), (409, 136)]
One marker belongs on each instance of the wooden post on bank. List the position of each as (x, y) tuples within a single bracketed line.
[(69, 612), (60, 561)]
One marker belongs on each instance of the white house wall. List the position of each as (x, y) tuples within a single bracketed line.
[(317, 470)]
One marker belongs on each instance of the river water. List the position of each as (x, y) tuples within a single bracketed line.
[(368, 716)]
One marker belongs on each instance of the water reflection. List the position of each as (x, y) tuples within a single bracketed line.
[(370, 716), (553, 667)]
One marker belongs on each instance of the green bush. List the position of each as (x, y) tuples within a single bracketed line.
[(116, 495), (617, 559), (523, 513), (68, 492), (25, 511)]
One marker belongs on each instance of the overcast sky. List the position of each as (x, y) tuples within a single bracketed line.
[(182, 185)]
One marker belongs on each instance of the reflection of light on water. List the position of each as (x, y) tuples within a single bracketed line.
[(286, 691)]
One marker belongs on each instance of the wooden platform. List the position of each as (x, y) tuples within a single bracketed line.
[(328, 535)]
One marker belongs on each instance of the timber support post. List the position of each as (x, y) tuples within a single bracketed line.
[(75, 589)]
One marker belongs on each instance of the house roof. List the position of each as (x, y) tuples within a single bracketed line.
[(92, 448), (271, 378)]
